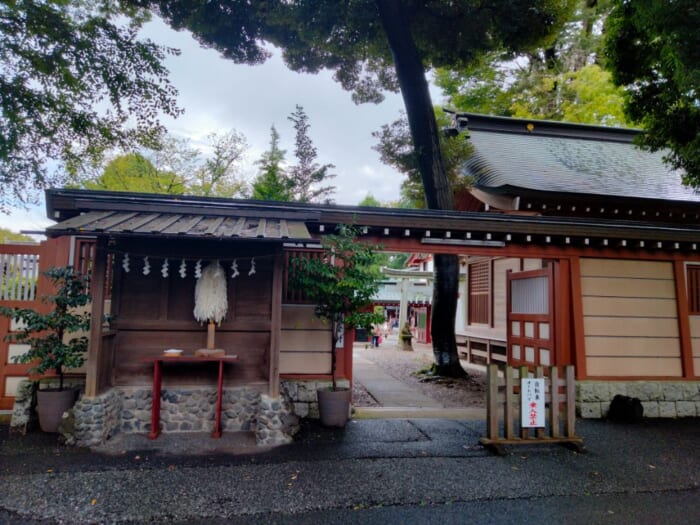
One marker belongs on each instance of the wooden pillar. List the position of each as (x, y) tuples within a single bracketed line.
[(97, 288), (579, 353), (276, 324), (562, 313), (683, 320)]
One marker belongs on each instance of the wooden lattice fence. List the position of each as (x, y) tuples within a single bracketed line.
[(504, 404)]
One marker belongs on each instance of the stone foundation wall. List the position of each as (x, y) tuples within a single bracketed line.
[(659, 398), (302, 395), (95, 420)]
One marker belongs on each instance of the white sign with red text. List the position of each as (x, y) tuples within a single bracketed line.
[(532, 403)]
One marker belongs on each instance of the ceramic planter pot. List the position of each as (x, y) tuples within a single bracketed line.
[(51, 404), (334, 406)]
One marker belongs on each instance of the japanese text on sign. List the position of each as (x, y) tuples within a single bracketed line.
[(532, 403)]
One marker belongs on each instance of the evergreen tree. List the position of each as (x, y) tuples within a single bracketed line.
[(272, 183), (306, 176)]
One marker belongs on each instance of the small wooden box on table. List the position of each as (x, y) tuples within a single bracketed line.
[(158, 380)]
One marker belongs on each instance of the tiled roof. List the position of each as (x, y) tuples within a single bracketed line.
[(552, 158), (177, 224)]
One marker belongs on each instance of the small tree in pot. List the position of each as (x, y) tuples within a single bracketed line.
[(50, 344), (341, 284)]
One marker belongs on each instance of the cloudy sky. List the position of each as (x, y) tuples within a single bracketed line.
[(218, 96)]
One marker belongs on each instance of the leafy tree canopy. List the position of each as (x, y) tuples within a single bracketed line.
[(563, 81), (134, 172), (75, 80), (653, 50), (395, 147), (7, 236), (176, 168)]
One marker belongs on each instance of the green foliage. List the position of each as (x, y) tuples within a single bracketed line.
[(396, 149), (300, 182), (562, 81), (652, 50), (176, 168), (306, 176), (370, 201), (49, 334), (272, 184), (219, 173), (75, 81), (341, 283), (134, 173), (8, 236), (585, 96)]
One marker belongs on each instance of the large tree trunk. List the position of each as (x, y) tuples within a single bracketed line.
[(438, 193)]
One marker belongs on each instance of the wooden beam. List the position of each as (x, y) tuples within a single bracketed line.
[(97, 291)]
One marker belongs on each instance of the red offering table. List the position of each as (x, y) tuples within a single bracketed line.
[(158, 379)]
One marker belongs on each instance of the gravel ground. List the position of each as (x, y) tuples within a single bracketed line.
[(404, 366)]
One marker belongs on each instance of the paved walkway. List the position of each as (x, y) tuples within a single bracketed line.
[(399, 400)]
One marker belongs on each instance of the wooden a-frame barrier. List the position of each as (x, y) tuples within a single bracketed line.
[(503, 399)]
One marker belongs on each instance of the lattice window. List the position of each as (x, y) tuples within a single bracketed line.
[(694, 290), (479, 293), (18, 276), (291, 294), (84, 257)]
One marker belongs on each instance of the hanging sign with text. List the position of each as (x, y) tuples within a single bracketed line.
[(532, 403)]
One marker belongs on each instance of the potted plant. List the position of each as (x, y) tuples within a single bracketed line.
[(341, 284), (51, 346)]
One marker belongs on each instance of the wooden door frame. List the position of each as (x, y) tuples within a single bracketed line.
[(550, 318)]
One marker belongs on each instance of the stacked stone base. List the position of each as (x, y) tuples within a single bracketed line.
[(302, 395), (128, 410), (668, 399)]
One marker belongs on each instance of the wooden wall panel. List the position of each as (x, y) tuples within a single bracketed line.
[(630, 318), (250, 296), (622, 326), (500, 267), (695, 338), (623, 366), (632, 346), (627, 287), (532, 264), (626, 268), (305, 341), (301, 317), (630, 306), (132, 347), (305, 363)]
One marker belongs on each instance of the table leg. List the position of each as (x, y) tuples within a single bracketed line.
[(219, 401), (155, 405)]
